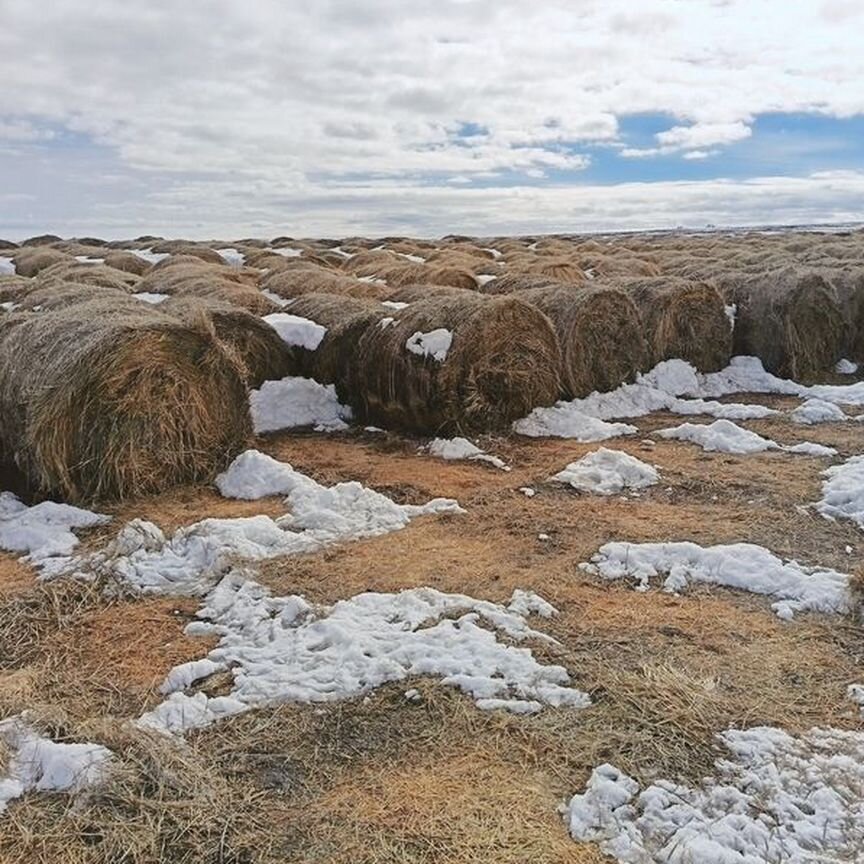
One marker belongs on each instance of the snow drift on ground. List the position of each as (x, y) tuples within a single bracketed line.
[(843, 491), (817, 411), (738, 565), (38, 764), (462, 448), (776, 798), (294, 402), (724, 436), (608, 472), (283, 649)]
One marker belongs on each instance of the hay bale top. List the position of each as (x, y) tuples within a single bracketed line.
[(370, 261), (331, 309), (233, 293), (128, 262), (7, 245), (88, 274), (170, 279), (29, 262), (293, 283), (41, 240), (182, 247), (413, 293), (510, 282), (47, 298)]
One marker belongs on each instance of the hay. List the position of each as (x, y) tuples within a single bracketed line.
[(41, 240), (334, 361), (848, 284), (413, 293), (294, 283), (128, 262), (182, 247), (600, 333), (13, 287), (263, 354), (502, 363), (243, 296), (109, 399), (510, 282), (6, 245), (408, 273), (29, 262), (682, 319), (790, 319), (178, 267), (49, 298), (88, 274)]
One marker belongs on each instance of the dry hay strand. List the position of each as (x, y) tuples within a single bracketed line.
[(600, 333), (617, 265), (263, 354), (459, 252), (29, 262), (294, 283), (502, 363), (84, 273), (109, 399), (48, 298), (370, 261), (264, 259), (128, 262), (346, 319), (510, 282), (790, 319), (413, 293), (682, 319)]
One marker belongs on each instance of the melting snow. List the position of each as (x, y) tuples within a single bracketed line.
[(393, 304), (462, 448), (149, 255), (283, 649), (6, 266), (776, 798), (846, 367), (150, 297), (817, 411), (724, 436), (294, 402), (608, 472), (843, 491), (434, 344), (739, 565), (297, 331), (232, 256)]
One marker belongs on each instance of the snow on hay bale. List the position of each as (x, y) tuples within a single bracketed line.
[(262, 353), (790, 319), (29, 261), (289, 284), (682, 319), (334, 361), (109, 399), (457, 363), (600, 333)]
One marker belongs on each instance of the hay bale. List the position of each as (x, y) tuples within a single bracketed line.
[(223, 291), (83, 273), (128, 262), (502, 362), (294, 283), (510, 282), (110, 399), (48, 298), (408, 273), (179, 267), (790, 319), (41, 240), (334, 361), (682, 319), (370, 261), (262, 353), (6, 245), (848, 283), (13, 287), (192, 250), (600, 333), (29, 262)]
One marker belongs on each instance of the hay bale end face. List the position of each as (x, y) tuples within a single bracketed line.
[(502, 362), (600, 333), (104, 400), (790, 319), (683, 320)]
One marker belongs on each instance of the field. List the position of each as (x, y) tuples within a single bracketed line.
[(383, 677)]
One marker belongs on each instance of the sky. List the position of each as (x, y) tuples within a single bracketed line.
[(228, 119)]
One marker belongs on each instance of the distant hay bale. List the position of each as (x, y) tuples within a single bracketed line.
[(41, 240), (502, 362), (6, 245), (370, 262), (29, 262), (263, 354), (83, 273), (181, 247), (222, 291), (510, 282), (294, 283), (110, 399), (684, 320), (176, 268), (600, 333), (334, 361), (60, 295), (790, 319), (128, 262), (413, 293)]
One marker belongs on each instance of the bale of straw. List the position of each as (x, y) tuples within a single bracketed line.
[(262, 354), (510, 282), (6, 245), (83, 273), (179, 267), (600, 333), (29, 262), (848, 283), (41, 240), (790, 319), (682, 319), (128, 262), (334, 361), (294, 283), (502, 362), (112, 398), (48, 298), (13, 287), (408, 273), (413, 293), (223, 291), (554, 269), (370, 261), (192, 250)]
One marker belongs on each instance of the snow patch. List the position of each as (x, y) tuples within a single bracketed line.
[(297, 331), (462, 448), (294, 402), (724, 436), (434, 344), (151, 297), (608, 472), (231, 256), (7, 268), (843, 491)]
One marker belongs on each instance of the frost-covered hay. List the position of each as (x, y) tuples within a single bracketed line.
[(790, 319), (315, 280), (109, 400), (334, 361), (128, 262), (263, 354), (682, 319), (600, 333), (457, 363)]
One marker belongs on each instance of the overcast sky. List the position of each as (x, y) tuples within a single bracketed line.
[(225, 118)]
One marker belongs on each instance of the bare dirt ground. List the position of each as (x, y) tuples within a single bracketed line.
[(385, 779)]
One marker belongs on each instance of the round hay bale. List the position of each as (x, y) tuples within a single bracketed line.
[(128, 262), (790, 319), (684, 320), (29, 262), (294, 283), (41, 240), (183, 274), (111, 399), (502, 362), (600, 333), (233, 293), (413, 293), (369, 262), (510, 282), (13, 287), (88, 274), (262, 353), (6, 245), (182, 247), (47, 298), (334, 361), (181, 265)]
